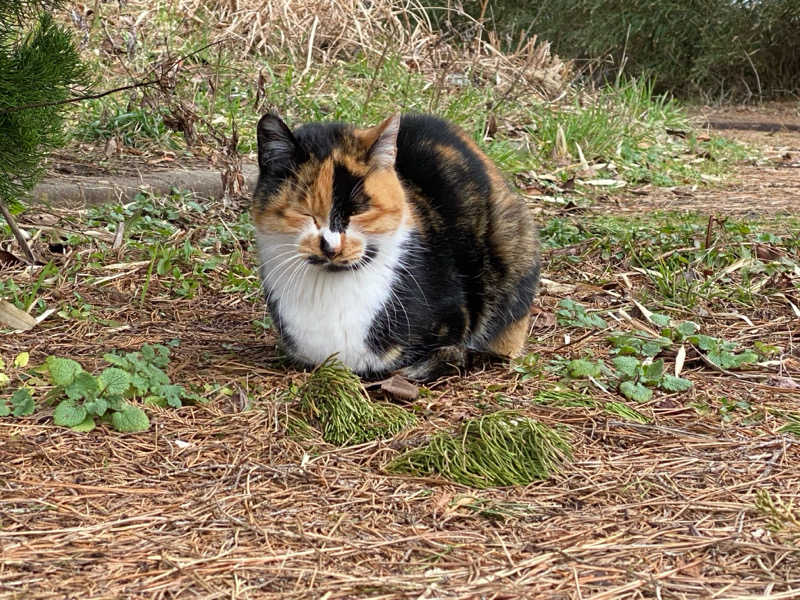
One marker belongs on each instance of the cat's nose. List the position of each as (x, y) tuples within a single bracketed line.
[(328, 249)]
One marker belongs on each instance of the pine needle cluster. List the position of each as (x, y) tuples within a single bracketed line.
[(334, 400), (499, 449), (39, 67)]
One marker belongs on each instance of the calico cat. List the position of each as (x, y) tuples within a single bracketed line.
[(400, 247)]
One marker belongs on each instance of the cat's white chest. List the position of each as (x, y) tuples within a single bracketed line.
[(326, 312)]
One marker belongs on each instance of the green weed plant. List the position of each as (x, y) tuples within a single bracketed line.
[(82, 399)]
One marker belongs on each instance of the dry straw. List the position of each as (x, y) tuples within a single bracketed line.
[(315, 33)]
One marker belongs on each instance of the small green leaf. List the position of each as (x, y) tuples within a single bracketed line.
[(97, 407), (172, 394), (626, 365), (130, 419), (766, 350), (670, 383), (68, 414), (2, 364), (140, 384), (744, 358), (84, 387), (63, 371), (704, 342), (687, 328), (635, 391), (584, 368), (654, 370), (155, 401), (115, 402), (85, 426), (4, 409), (656, 345), (22, 402), (4, 380), (659, 319), (21, 361), (114, 381), (118, 361)]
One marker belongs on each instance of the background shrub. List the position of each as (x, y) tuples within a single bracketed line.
[(714, 49)]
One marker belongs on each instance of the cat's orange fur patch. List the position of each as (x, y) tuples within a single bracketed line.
[(388, 206), (510, 341), (355, 166), (279, 217), (321, 195), (450, 154)]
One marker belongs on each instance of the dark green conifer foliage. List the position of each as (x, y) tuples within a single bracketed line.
[(39, 65)]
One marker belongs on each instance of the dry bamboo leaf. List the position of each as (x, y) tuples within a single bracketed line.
[(680, 358), (554, 288), (400, 388), (15, 318)]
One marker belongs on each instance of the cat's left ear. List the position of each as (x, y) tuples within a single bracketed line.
[(383, 150)]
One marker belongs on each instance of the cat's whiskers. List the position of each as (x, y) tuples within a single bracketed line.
[(292, 256), (276, 257), (402, 266), (295, 279)]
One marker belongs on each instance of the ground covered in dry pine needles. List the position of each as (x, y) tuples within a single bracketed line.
[(663, 347)]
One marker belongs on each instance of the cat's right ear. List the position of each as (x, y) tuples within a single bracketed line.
[(277, 148)]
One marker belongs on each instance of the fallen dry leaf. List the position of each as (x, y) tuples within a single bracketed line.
[(15, 318)]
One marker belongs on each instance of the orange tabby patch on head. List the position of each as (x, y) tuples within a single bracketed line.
[(320, 197), (356, 167), (388, 206)]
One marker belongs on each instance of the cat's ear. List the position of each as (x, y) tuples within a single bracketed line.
[(277, 147), (383, 142)]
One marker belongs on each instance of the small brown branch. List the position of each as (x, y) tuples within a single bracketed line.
[(164, 68), (78, 98), (23, 243)]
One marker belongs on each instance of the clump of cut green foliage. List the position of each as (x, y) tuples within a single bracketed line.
[(565, 397), (500, 449), (334, 401), (110, 396)]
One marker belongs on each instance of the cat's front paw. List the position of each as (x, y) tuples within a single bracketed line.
[(447, 360)]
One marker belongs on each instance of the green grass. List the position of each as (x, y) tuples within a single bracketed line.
[(669, 251), (621, 131)]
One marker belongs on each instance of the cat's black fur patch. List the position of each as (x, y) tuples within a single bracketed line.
[(346, 199)]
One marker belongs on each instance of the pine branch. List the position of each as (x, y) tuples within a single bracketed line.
[(164, 69)]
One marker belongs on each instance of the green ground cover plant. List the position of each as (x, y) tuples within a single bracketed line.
[(82, 399), (334, 401)]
